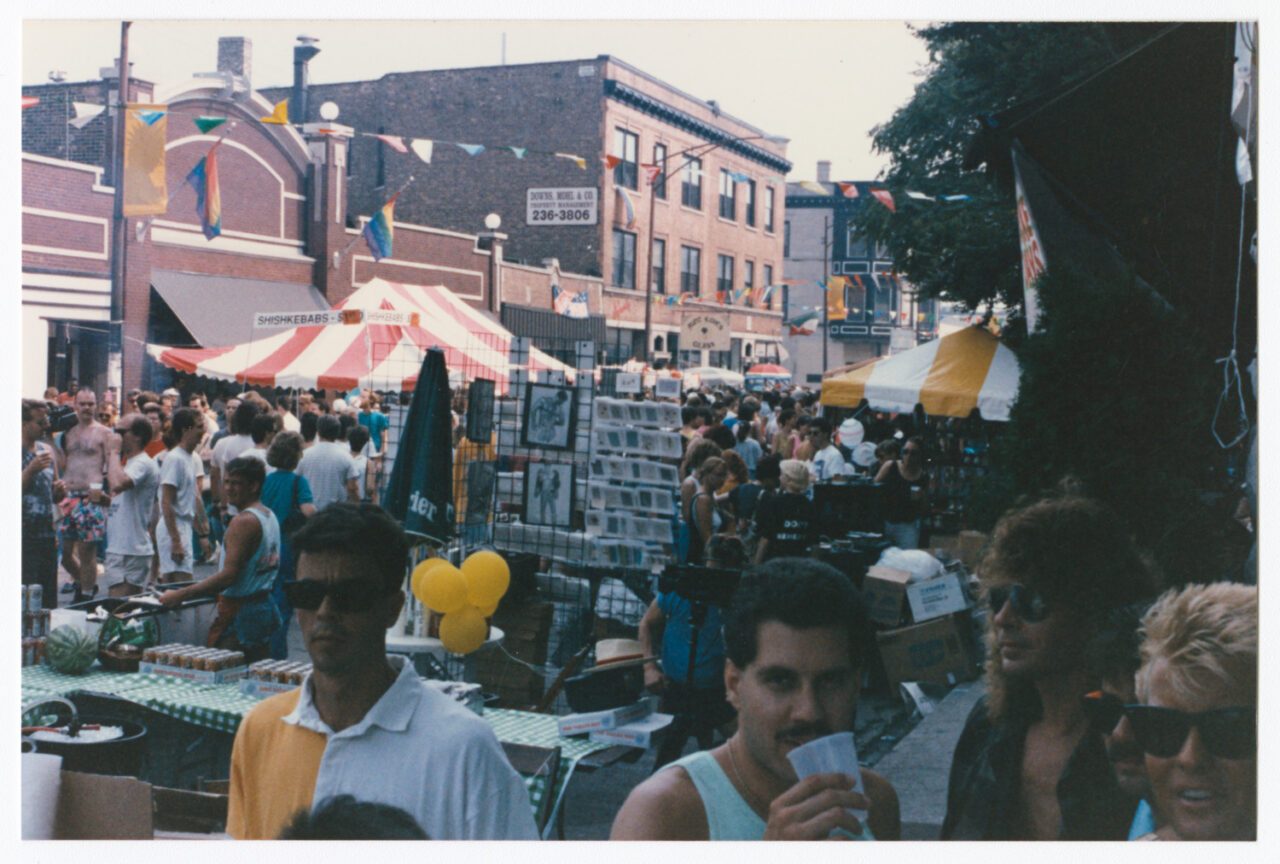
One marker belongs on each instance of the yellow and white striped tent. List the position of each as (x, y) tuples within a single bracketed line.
[(950, 377)]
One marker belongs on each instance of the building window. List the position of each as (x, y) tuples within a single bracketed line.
[(786, 239), (748, 281), (728, 196), (768, 280), (690, 267), (751, 203), (626, 146), (660, 159), (882, 305), (855, 299), (624, 259), (660, 266), (382, 165), (724, 279), (691, 185), (855, 244), (768, 209)]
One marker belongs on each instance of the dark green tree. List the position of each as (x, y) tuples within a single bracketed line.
[(1113, 393), (968, 251)]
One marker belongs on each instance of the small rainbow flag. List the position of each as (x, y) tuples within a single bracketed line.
[(204, 179), (380, 231)]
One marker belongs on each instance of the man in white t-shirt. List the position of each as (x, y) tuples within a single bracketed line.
[(828, 461), (133, 489), (179, 497), (231, 447), (328, 466)]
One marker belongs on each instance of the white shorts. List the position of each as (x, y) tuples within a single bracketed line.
[(126, 569), (164, 548)]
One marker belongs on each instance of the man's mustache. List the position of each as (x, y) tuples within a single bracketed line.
[(805, 730)]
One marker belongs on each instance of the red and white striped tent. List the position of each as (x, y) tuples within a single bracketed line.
[(370, 355)]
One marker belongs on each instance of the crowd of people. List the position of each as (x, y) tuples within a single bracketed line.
[(131, 497), (1115, 707)]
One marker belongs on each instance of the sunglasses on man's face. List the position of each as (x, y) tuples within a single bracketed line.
[(1029, 604), (346, 595), (1227, 733)]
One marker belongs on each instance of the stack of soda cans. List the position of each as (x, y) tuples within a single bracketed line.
[(35, 624)]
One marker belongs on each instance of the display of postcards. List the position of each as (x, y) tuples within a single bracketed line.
[(635, 413), (667, 388), (634, 470)]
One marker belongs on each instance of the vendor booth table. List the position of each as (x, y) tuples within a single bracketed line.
[(219, 708)]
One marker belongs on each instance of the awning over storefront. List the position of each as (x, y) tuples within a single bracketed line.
[(219, 310)]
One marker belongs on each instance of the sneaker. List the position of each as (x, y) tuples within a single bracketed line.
[(68, 588)]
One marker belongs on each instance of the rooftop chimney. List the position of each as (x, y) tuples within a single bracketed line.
[(302, 54), (235, 55), (824, 171)]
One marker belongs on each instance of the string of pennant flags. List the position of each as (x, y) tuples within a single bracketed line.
[(378, 232)]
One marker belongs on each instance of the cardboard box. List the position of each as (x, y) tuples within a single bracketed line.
[(933, 598), (883, 590), (612, 718), (262, 689), (199, 676), (939, 651), (638, 734)]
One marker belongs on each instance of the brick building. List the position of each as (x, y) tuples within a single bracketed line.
[(285, 242), (881, 312), (713, 239)]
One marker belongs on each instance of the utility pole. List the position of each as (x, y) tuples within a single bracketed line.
[(826, 276), (115, 347)]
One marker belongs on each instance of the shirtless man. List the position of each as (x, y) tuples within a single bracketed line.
[(84, 517), (795, 639)]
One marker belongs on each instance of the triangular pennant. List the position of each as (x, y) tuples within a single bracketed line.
[(472, 149), (848, 190), (85, 112), (651, 173), (422, 148), (379, 232), (395, 142), (919, 196), (150, 117), (204, 124), (610, 161), (519, 151), (885, 197), (814, 187), (30, 101), (279, 114), (577, 160), (953, 197)]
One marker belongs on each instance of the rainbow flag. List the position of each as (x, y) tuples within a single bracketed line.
[(204, 179), (379, 231)]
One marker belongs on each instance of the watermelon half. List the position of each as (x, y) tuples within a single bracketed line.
[(70, 650)]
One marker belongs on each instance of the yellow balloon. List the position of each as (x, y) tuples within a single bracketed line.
[(488, 611), (488, 578), (420, 572), (444, 588), (463, 631)]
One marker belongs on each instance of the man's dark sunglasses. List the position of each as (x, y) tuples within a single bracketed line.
[(1027, 602), (347, 595), (1227, 733)]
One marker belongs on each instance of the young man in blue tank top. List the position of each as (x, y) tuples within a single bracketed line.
[(795, 635), (250, 560)]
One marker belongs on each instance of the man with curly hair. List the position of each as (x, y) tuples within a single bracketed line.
[(1026, 766)]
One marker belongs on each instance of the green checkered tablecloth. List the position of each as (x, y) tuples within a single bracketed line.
[(221, 707)]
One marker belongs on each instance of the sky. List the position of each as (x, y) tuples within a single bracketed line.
[(823, 84)]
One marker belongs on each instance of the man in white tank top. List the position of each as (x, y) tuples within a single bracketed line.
[(796, 636)]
